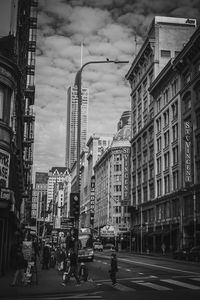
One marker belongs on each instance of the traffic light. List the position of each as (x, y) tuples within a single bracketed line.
[(74, 205)]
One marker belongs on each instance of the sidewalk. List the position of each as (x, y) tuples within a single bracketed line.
[(49, 282)]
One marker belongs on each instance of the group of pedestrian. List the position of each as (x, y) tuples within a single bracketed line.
[(71, 269)]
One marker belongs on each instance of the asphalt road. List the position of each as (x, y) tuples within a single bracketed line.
[(139, 278)]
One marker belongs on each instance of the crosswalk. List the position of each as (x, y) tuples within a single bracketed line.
[(153, 283)]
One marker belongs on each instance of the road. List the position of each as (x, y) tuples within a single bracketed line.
[(139, 278)]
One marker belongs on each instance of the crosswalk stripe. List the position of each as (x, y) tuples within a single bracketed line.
[(196, 278), (155, 286), (183, 284), (120, 287)]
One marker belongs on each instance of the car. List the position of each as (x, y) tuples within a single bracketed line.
[(97, 246), (194, 253), (181, 253), (85, 254), (109, 246)]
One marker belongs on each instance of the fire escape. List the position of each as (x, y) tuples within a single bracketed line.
[(29, 98)]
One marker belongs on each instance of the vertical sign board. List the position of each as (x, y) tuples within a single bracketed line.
[(4, 168), (188, 151), (126, 173), (92, 199)]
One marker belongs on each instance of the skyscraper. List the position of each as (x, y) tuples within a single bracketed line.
[(72, 122)]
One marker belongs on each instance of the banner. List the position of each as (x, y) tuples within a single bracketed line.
[(4, 168)]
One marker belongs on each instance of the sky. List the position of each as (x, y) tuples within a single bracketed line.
[(113, 29)]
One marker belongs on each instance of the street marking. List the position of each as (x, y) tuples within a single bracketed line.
[(120, 287), (128, 270), (196, 279), (155, 286), (127, 278), (183, 284)]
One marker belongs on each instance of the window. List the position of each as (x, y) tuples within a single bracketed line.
[(151, 172), (158, 104), (175, 109), (5, 104), (166, 160), (159, 144), (145, 194), (175, 155), (144, 175), (166, 138), (175, 180), (166, 96), (174, 87), (165, 53), (151, 152), (139, 194), (158, 124), (186, 78), (117, 168), (151, 191), (144, 157), (158, 165), (144, 139), (197, 91), (139, 178), (139, 145), (166, 117), (175, 132), (139, 94), (117, 188), (166, 184), (139, 161), (117, 157), (187, 103), (159, 187)]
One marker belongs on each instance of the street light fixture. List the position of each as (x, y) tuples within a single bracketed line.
[(78, 83)]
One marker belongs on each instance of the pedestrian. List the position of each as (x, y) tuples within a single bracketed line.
[(113, 268), (73, 271), (20, 266), (83, 272), (45, 258), (163, 247)]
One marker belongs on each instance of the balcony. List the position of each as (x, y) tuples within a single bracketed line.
[(28, 140), (29, 115)]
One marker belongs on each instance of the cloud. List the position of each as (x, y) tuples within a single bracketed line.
[(107, 29)]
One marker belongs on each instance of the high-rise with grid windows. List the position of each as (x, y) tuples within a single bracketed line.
[(72, 122)]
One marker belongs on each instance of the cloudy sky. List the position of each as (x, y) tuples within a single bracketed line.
[(111, 29)]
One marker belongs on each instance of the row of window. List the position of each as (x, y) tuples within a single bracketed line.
[(166, 119)]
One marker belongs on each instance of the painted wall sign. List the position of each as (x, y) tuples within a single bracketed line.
[(188, 151), (4, 168)]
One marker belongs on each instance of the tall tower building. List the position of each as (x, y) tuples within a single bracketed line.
[(72, 122)]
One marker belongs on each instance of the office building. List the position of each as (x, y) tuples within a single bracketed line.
[(151, 123), (72, 123)]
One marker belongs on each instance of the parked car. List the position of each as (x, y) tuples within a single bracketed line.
[(85, 254), (194, 254), (181, 253), (109, 246), (97, 246)]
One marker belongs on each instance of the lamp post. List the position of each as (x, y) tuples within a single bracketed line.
[(78, 83)]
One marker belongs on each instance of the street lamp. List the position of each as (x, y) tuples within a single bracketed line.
[(78, 83)]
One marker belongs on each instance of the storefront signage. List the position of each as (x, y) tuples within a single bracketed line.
[(188, 151), (4, 168)]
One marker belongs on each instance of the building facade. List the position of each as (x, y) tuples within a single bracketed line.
[(165, 40), (112, 184), (96, 145), (55, 176), (72, 123), (15, 178)]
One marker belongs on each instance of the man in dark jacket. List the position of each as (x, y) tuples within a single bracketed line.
[(73, 267), (113, 268)]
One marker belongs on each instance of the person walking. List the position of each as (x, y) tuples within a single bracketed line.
[(73, 271), (20, 266), (113, 268), (163, 247), (45, 258)]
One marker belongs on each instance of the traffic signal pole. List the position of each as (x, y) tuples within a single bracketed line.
[(78, 83)]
